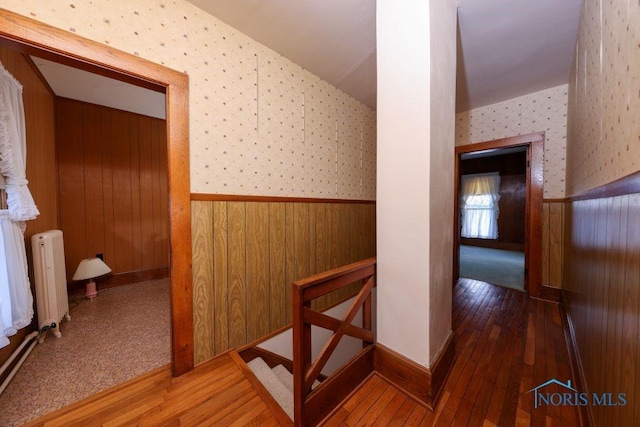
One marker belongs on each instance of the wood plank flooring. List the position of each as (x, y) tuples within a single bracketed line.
[(215, 393), (506, 344)]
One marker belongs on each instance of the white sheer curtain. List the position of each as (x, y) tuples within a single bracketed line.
[(16, 301), (479, 196), (13, 149)]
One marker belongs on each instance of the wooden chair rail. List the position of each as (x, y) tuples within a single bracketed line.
[(305, 372)]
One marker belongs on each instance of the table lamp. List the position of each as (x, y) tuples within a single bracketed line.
[(91, 268)]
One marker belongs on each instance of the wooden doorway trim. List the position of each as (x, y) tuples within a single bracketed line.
[(533, 210), (35, 38)]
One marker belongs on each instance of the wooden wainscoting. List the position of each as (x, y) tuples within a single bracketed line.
[(552, 242), (246, 254), (602, 298), (113, 186)]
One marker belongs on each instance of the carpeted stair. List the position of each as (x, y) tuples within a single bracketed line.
[(278, 381)]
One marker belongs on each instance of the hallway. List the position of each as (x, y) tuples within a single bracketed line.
[(506, 344)]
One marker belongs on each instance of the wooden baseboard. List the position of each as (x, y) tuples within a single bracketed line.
[(441, 367), (584, 412), (338, 386), (419, 382), (549, 293), (121, 279), (271, 403), (271, 359)]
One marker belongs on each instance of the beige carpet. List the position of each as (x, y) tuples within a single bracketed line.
[(120, 335)]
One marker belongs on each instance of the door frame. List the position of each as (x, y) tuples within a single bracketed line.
[(534, 143), (32, 37)]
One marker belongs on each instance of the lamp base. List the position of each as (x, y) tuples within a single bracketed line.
[(92, 292)]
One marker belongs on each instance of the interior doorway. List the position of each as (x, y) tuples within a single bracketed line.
[(34, 38), (532, 146), (493, 201)]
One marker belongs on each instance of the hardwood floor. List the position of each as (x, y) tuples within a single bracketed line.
[(380, 403), (506, 344), (215, 393)]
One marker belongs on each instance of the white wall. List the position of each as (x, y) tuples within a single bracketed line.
[(416, 96), (403, 177)]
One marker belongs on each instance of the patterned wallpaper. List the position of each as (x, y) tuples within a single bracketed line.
[(545, 110), (604, 96), (259, 124)]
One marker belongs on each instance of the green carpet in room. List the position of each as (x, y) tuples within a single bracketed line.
[(503, 268)]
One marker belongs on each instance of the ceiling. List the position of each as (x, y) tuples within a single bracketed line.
[(334, 39), (73, 83), (506, 48)]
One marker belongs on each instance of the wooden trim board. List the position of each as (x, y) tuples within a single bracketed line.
[(577, 370), (419, 382), (549, 293), (271, 359), (121, 279), (331, 392), (533, 216), (201, 197), (441, 367), (629, 184), (268, 399)]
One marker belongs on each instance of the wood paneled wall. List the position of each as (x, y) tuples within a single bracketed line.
[(247, 254), (552, 243), (112, 168), (602, 293), (41, 157)]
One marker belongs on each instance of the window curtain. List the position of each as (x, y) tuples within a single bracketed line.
[(16, 301), (479, 205)]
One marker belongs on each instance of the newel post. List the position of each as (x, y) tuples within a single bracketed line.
[(301, 353)]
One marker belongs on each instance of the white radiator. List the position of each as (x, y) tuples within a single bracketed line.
[(51, 279)]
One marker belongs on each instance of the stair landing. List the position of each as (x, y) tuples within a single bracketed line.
[(378, 402)]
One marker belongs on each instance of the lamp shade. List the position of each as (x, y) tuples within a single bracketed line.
[(90, 268)]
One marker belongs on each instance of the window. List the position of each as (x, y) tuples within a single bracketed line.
[(479, 205)]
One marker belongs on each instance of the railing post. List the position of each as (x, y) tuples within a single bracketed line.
[(366, 316), (301, 353), (310, 408)]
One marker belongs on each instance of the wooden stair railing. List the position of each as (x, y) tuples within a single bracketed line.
[(310, 407)]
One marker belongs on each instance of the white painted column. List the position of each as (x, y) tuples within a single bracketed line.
[(410, 171)]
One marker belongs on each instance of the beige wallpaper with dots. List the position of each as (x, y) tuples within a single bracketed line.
[(603, 138), (259, 124), (543, 111)]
